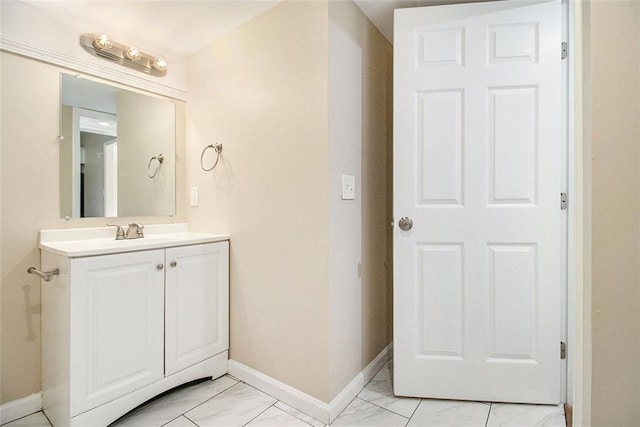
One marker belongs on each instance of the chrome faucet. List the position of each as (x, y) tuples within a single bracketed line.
[(119, 231), (135, 230)]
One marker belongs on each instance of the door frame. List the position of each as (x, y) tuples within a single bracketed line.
[(576, 331), (110, 150), (578, 304)]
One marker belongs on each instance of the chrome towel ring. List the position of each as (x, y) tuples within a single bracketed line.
[(159, 160), (218, 149)]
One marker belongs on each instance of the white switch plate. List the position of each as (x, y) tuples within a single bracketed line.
[(348, 187), (194, 196)]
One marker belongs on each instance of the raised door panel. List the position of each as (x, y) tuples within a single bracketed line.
[(116, 326), (441, 148), (197, 294), (440, 289), (513, 145)]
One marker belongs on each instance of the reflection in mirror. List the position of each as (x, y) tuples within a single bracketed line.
[(109, 135)]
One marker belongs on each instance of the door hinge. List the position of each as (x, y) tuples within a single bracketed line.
[(563, 350), (564, 201), (565, 50)]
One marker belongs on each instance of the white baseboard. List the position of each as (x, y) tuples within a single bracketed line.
[(356, 385), (311, 406), (19, 408), (281, 391)]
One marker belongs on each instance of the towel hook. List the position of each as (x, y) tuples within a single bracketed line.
[(218, 149), (159, 160)]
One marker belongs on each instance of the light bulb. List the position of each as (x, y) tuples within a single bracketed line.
[(102, 42), (159, 64), (132, 53)]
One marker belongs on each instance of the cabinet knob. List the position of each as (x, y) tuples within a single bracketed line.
[(173, 263), (160, 266)]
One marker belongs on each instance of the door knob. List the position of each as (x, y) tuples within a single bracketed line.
[(405, 223), (160, 266), (173, 263)]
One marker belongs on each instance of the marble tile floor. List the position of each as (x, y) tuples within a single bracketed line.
[(230, 402)]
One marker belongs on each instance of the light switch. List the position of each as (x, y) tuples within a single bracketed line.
[(194, 196), (348, 187)]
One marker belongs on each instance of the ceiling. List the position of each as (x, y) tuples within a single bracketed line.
[(380, 12), (181, 28), (178, 28)]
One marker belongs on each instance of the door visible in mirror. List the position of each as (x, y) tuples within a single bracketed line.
[(111, 141)]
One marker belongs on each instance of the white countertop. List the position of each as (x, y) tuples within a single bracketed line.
[(81, 242)]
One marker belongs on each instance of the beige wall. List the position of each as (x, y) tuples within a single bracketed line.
[(377, 196), (262, 92), (145, 130), (298, 97), (66, 162), (359, 100), (29, 201), (615, 87)]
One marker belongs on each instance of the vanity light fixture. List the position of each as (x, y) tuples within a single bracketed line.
[(102, 46)]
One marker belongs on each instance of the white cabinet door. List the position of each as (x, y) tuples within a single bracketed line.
[(197, 313), (117, 322)]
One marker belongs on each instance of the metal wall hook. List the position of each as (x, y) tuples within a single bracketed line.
[(218, 149), (159, 161), (47, 276)]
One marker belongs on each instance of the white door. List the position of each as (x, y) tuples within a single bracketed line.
[(117, 326), (477, 149), (197, 314)]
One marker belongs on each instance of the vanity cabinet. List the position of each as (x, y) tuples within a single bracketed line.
[(121, 328)]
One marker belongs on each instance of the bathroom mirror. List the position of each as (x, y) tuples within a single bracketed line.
[(117, 151)]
